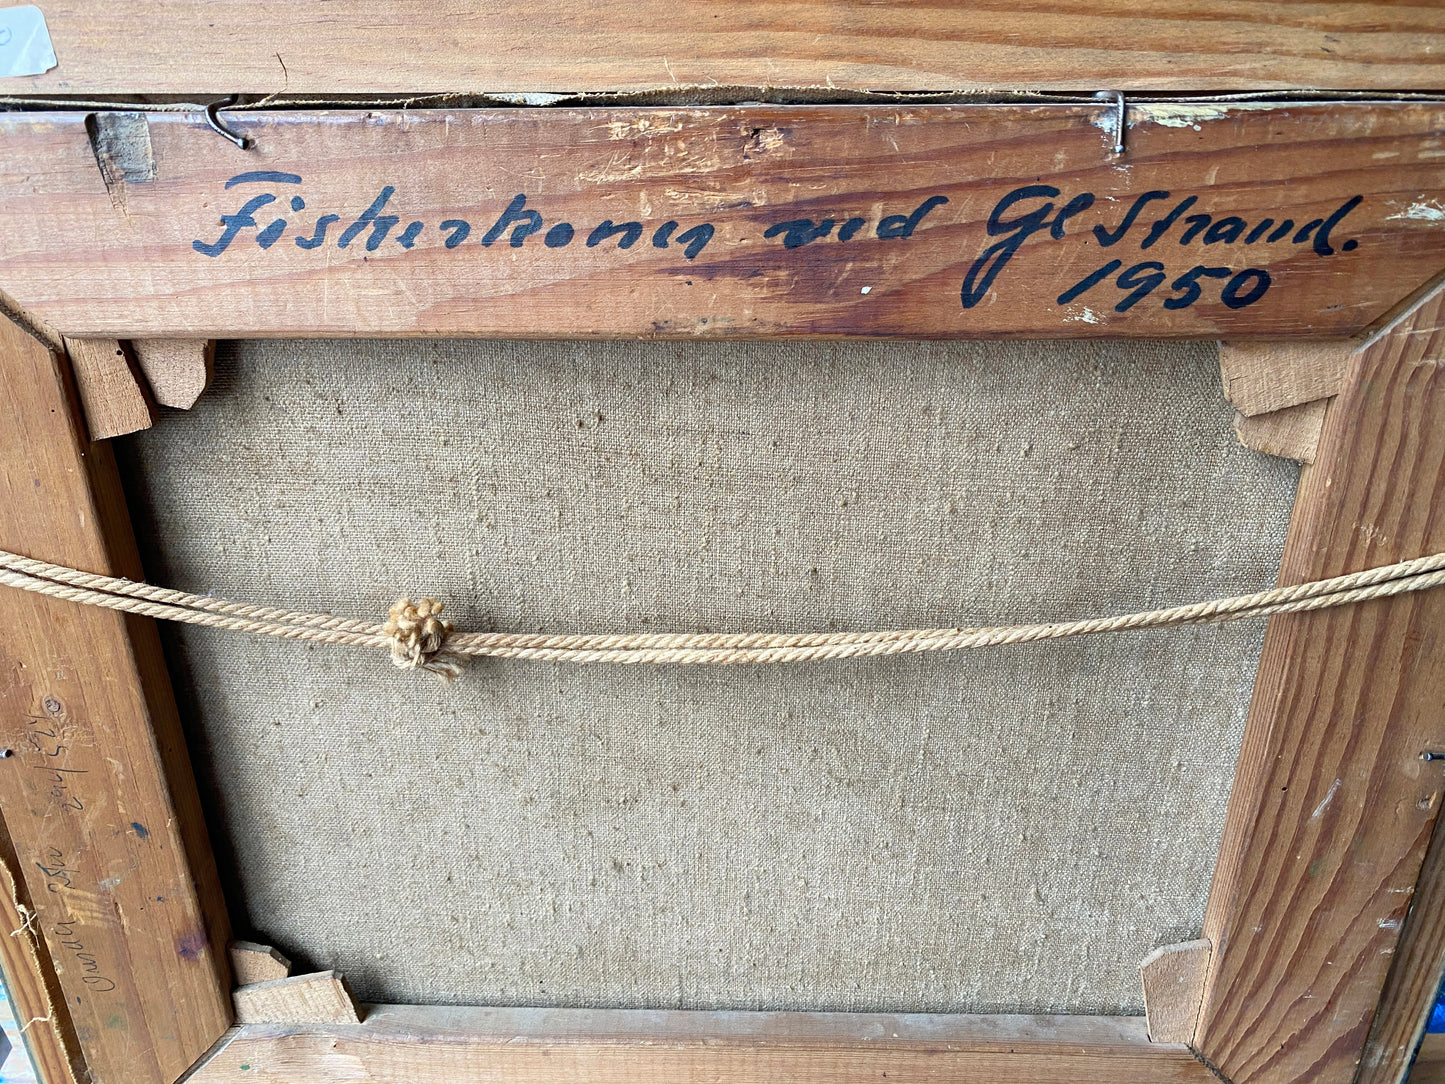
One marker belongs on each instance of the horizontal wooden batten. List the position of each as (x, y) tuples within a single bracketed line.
[(407, 46), (401, 1044), (927, 222)]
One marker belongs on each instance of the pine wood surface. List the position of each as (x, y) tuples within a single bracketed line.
[(1329, 820), (1292, 432), (98, 795), (1173, 981), (401, 1044), (35, 998), (219, 47), (177, 370), (322, 997), (1265, 377), (1414, 980), (252, 963), (537, 204), (1333, 806), (111, 397)]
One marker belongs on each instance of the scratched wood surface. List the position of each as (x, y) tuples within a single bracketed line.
[(405, 46), (30, 982), (401, 1044), (1414, 980), (943, 221), (1332, 806), (98, 795)]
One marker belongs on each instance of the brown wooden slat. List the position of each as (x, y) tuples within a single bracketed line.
[(1264, 377), (1293, 432), (76, 261), (407, 46), (322, 997), (251, 962), (98, 796), (111, 396), (1173, 981), (400, 1044), (35, 997), (1414, 979), (1333, 806)]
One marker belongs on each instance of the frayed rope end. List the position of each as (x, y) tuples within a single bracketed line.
[(418, 638)]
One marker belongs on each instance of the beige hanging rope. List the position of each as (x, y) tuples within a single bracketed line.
[(419, 638)]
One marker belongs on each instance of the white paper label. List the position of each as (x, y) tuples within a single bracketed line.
[(25, 47)]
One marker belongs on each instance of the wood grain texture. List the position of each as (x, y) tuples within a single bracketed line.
[(1263, 377), (252, 963), (1332, 805), (30, 983), (411, 1045), (511, 223), (111, 395), (1429, 1066), (1173, 981), (407, 46), (98, 797), (1414, 979), (177, 370), (1293, 433), (319, 998)]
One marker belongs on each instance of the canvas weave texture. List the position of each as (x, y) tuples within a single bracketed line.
[(1002, 830)]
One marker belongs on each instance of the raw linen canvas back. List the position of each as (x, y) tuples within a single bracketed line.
[(1004, 830)]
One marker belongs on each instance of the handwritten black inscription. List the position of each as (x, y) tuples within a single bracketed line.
[(1032, 210), (45, 736), (60, 874), (1155, 218), (515, 224)]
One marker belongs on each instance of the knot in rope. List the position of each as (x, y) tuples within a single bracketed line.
[(418, 637)]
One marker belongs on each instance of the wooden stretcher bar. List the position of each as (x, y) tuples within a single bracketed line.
[(144, 234), (308, 47), (1261, 220), (549, 1046)]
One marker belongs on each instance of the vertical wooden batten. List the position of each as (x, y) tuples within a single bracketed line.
[(97, 792), (1414, 977), (34, 993), (1333, 806)]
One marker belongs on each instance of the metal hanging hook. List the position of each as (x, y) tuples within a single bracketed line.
[(215, 122), (1117, 97)]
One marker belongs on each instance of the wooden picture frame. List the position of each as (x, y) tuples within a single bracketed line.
[(135, 234)]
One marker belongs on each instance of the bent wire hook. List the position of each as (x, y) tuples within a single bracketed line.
[(215, 122), (1117, 97)]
